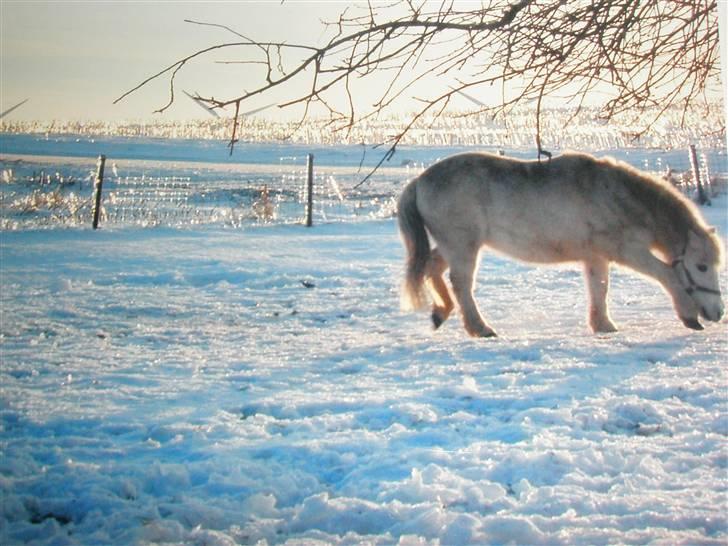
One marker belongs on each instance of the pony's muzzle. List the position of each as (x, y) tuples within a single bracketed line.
[(712, 313)]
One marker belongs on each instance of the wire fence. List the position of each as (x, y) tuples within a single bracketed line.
[(165, 194)]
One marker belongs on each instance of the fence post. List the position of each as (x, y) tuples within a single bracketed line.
[(98, 183), (702, 198), (309, 191), (708, 183)]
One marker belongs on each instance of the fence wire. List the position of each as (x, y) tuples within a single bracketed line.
[(143, 194)]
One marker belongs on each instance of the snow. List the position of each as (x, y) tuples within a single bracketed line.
[(260, 386)]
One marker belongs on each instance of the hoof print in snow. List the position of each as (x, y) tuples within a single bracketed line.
[(40, 518), (638, 429), (647, 430)]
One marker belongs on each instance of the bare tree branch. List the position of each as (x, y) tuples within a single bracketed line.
[(638, 58)]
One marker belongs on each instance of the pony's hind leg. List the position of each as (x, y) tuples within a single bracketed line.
[(596, 271), (442, 304), (462, 271)]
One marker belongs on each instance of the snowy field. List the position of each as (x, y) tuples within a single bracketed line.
[(260, 386)]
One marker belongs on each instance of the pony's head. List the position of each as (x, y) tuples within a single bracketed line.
[(698, 270)]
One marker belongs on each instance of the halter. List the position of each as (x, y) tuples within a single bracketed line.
[(691, 286)]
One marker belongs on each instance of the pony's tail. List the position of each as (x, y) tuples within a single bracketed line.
[(417, 246)]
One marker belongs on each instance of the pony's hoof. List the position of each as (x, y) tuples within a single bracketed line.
[(485, 333), (604, 329), (692, 323), (437, 320)]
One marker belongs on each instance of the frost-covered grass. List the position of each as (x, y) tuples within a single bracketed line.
[(214, 386)]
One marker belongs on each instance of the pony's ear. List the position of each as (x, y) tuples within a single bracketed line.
[(712, 230), (694, 239)]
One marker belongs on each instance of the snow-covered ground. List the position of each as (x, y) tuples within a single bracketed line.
[(218, 387)]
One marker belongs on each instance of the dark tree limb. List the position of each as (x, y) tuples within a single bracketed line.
[(640, 57)]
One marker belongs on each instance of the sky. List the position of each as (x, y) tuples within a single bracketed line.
[(72, 59)]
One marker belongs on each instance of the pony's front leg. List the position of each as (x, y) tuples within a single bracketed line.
[(462, 271), (643, 261), (442, 304), (596, 271)]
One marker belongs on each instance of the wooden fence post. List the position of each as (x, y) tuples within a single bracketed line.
[(309, 191), (707, 181), (702, 197), (98, 183)]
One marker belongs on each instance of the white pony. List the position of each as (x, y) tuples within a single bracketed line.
[(573, 208)]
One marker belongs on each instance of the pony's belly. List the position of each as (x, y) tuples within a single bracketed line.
[(537, 250), (548, 231)]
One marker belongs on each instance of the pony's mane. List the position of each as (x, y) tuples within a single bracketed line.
[(679, 214), (651, 190)]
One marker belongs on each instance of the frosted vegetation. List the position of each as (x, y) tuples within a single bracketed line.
[(700, 126)]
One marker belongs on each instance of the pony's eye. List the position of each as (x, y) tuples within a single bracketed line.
[(702, 268)]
